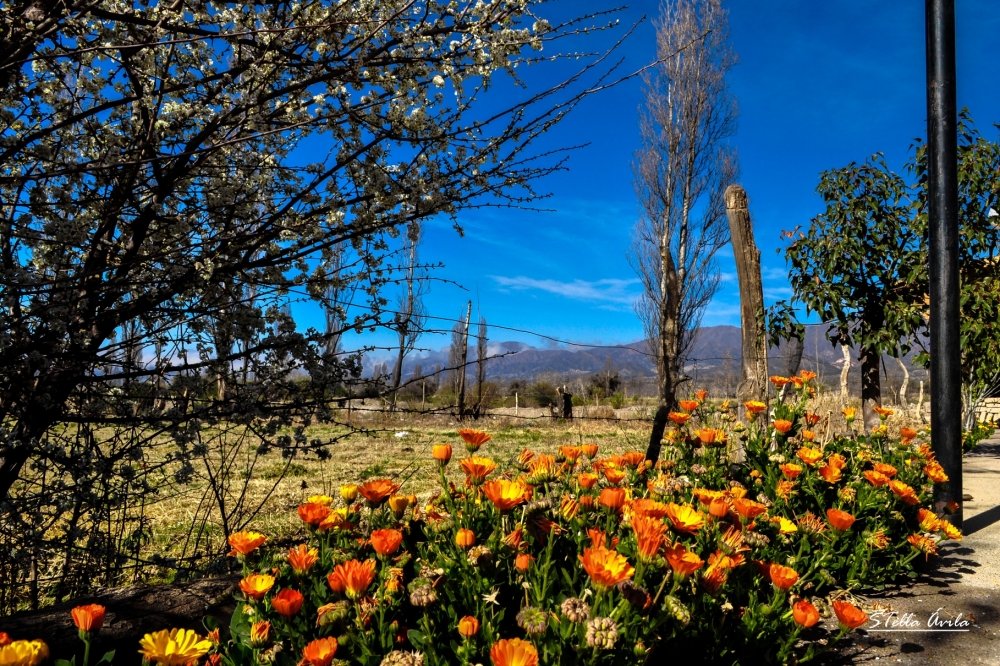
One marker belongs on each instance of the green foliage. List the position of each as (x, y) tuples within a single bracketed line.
[(542, 394)]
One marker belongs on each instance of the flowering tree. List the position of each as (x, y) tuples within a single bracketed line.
[(172, 174)]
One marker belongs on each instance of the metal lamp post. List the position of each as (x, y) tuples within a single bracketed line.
[(942, 171)]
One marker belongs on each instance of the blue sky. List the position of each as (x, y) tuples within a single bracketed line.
[(818, 85)]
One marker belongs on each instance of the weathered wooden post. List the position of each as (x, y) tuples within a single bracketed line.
[(753, 381), (462, 363)]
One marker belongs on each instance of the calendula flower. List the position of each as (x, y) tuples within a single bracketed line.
[(332, 613), (783, 577), (349, 492), (714, 579), (935, 472), (680, 418), (23, 653), (523, 562), (570, 453), (682, 560), (302, 558), (807, 376), (837, 460), (613, 498), (465, 538), (649, 508), (504, 494), (790, 470), (885, 468), (809, 456), (688, 405), (525, 457), (779, 381), (708, 436), (287, 602), (377, 491), (755, 407), (840, 520), (923, 544), (748, 509), (811, 524), (244, 543), (606, 568), (352, 577), (88, 619), (336, 519), (685, 518), (883, 412), (649, 536), (398, 504), (320, 652), (255, 586), (951, 531), (782, 425), (260, 634), (830, 474), (313, 514), (476, 469), (586, 480), (877, 539), (850, 413), (386, 541), (785, 489), (849, 615), (613, 474), (904, 492), (813, 419), (474, 439), (876, 478), (174, 647), (804, 613), (808, 435), (907, 434), (589, 450), (442, 453), (633, 459), (786, 526), (513, 652), (701, 395), (468, 626)]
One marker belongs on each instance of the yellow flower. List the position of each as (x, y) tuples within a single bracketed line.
[(24, 653), (606, 567), (174, 647), (325, 500), (785, 526), (349, 492)]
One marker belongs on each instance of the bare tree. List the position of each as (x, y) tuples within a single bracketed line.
[(482, 351), (681, 173), (410, 315)]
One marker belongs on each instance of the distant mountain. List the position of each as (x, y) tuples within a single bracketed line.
[(715, 356)]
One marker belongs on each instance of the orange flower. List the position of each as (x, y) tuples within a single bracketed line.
[(714, 579), (784, 488), (718, 508), (783, 577), (523, 561), (876, 478), (587, 480), (302, 558), (244, 543), (928, 521), (468, 626), (474, 439), (923, 544), (829, 473), (255, 586), (701, 395), (808, 435), (465, 538), (680, 418), (809, 456), (633, 458), (378, 491), (685, 518), (598, 539), (606, 568), (837, 460), (849, 413), (260, 636), (442, 453), (813, 419), (907, 434), (791, 470), (570, 453), (649, 536), (904, 492), (841, 520), (884, 468), (649, 508), (782, 426), (504, 494), (755, 406), (688, 405), (807, 376), (850, 616), (613, 474), (805, 613), (935, 472), (476, 469), (951, 531), (513, 652), (589, 450), (883, 412), (287, 602), (5, 639), (613, 498), (706, 436), (386, 542), (349, 492), (682, 560), (312, 514), (705, 496), (89, 618), (748, 508), (779, 381), (352, 577), (320, 652), (398, 504), (525, 456)]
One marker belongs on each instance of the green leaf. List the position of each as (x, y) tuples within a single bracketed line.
[(416, 638), (108, 656)]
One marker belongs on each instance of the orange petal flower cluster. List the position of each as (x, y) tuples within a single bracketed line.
[(378, 491), (302, 558), (748, 509), (935, 472), (352, 577), (680, 418), (244, 543), (587, 480), (885, 468), (685, 518), (613, 498), (476, 469), (804, 613), (606, 568), (312, 514), (589, 450), (904, 492), (442, 453), (386, 541), (468, 626), (790, 470), (649, 536), (649, 508), (840, 520), (783, 577), (849, 615), (255, 586), (287, 602), (688, 405), (320, 652), (474, 438), (809, 456), (504, 494), (682, 560), (830, 473), (876, 478), (88, 618), (782, 426), (513, 652)]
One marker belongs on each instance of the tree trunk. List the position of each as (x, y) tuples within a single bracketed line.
[(753, 382), (793, 361), (906, 382), (461, 369), (844, 372), (871, 390)]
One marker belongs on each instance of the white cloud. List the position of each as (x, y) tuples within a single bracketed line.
[(611, 290)]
